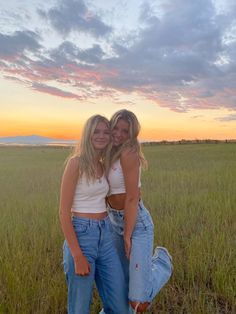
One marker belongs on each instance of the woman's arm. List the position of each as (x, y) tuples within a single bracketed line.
[(68, 185), (130, 165)]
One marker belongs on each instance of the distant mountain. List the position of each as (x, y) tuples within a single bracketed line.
[(34, 140)]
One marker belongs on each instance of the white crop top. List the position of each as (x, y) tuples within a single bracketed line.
[(116, 179), (90, 196)]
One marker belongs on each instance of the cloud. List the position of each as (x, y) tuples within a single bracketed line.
[(69, 52), (197, 116), (231, 117), (178, 55), (17, 43), (15, 79), (181, 58), (181, 47), (73, 15), (54, 91)]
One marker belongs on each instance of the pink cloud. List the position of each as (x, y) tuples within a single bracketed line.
[(54, 91)]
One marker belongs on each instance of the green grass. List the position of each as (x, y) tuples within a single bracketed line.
[(190, 192)]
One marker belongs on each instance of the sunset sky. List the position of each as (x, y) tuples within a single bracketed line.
[(171, 62)]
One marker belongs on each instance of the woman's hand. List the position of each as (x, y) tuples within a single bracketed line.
[(128, 243), (82, 266)]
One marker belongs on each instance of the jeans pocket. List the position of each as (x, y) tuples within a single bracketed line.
[(140, 224), (145, 222), (81, 227)]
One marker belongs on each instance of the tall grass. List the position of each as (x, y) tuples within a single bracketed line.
[(190, 192)]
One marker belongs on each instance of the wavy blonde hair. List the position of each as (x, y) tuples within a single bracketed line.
[(85, 151), (113, 152)]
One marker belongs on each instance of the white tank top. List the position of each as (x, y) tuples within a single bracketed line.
[(90, 196), (116, 179)]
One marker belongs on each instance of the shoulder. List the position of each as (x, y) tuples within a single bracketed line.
[(129, 155), (73, 163), (129, 152)]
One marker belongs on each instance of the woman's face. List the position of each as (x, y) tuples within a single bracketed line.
[(120, 132), (101, 136)]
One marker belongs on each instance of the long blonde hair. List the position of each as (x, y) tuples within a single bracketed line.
[(134, 129), (85, 151)]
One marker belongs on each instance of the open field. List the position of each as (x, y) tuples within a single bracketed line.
[(191, 193)]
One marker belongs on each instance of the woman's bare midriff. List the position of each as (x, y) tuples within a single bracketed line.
[(117, 201), (91, 215)]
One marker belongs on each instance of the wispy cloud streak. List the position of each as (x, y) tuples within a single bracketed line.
[(54, 91), (231, 117)]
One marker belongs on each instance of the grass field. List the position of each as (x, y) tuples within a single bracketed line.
[(191, 193)]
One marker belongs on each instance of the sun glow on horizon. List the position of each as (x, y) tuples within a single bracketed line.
[(25, 112)]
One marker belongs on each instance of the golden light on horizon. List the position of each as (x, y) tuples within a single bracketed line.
[(28, 113)]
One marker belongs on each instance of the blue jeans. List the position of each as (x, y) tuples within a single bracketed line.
[(145, 272), (96, 243)]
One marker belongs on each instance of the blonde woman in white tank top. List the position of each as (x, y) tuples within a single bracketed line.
[(132, 224), (89, 253)]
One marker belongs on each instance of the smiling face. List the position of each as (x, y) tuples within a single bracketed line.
[(120, 133), (101, 136)]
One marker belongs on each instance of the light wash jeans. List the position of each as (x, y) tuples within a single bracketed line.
[(95, 239), (145, 272)]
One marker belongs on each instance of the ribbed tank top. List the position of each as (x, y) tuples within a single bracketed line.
[(90, 196), (116, 179)]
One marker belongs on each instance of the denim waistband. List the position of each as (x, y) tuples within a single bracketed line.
[(90, 221)]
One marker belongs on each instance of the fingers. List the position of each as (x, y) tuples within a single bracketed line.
[(86, 272), (128, 254), (83, 269), (83, 273), (127, 250)]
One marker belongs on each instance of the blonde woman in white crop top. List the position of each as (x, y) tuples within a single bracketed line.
[(132, 224), (89, 253)]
